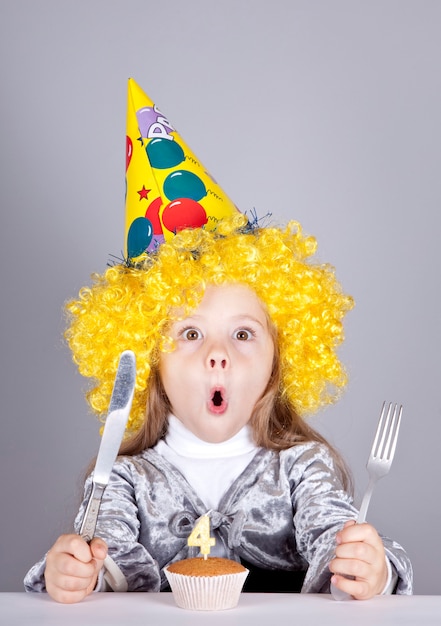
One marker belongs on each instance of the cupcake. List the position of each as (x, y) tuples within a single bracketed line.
[(210, 584)]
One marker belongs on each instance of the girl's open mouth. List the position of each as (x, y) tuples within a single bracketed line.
[(217, 402), (217, 398)]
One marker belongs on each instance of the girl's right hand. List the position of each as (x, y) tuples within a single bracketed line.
[(72, 567)]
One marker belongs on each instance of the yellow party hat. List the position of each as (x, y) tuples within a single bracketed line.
[(167, 188)]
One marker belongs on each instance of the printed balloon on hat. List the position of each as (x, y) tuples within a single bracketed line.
[(167, 188)]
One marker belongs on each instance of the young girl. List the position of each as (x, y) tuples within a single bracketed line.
[(235, 334)]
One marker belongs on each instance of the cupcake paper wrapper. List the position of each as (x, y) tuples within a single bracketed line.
[(206, 593)]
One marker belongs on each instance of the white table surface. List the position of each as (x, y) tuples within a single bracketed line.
[(159, 609)]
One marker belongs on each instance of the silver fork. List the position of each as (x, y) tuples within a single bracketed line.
[(378, 465)]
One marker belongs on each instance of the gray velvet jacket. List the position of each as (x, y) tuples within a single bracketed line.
[(282, 513)]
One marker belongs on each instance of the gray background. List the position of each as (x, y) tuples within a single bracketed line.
[(323, 111)]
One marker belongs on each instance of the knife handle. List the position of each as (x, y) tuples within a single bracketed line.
[(88, 524)]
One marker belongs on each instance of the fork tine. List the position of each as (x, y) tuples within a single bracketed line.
[(387, 433), (393, 436), (380, 433)]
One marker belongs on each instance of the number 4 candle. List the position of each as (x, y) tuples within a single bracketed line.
[(200, 536)]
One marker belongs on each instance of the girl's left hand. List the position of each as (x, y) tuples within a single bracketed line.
[(359, 554)]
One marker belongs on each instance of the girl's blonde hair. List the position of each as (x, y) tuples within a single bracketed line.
[(131, 307)]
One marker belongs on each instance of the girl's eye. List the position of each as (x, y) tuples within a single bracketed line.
[(191, 334), (243, 334)]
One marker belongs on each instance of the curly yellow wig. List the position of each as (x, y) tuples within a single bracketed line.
[(132, 307)]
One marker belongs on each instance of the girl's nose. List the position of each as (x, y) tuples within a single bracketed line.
[(217, 358), (219, 362)]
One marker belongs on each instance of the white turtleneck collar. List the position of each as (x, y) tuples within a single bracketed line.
[(183, 442)]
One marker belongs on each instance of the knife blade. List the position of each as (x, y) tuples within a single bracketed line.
[(114, 427)]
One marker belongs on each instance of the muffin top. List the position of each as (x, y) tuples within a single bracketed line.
[(212, 566)]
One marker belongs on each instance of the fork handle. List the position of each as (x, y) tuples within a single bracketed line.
[(338, 594), (365, 502)]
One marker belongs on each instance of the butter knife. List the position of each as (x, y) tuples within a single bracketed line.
[(119, 409)]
